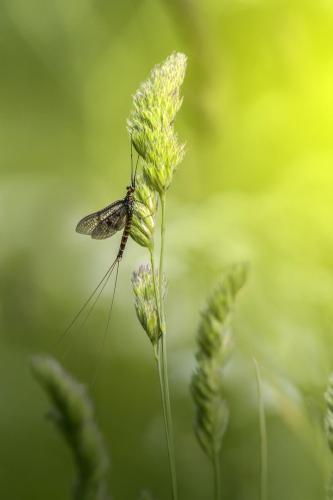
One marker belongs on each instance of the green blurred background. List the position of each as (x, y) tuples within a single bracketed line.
[(256, 185)]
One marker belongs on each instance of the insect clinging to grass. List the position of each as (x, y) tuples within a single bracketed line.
[(106, 222)]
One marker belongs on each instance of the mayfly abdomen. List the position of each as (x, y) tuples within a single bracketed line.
[(125, 235)]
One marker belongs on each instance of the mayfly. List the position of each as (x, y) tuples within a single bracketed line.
[(101, 225), (107, 221)]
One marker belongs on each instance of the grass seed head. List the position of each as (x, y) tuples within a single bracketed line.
[(145, 302), (213, 340), (145, 206), (151, 123)]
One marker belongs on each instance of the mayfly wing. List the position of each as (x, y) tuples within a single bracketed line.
[(89, 222), (110, 224)]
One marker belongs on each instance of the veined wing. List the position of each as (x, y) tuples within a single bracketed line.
[(111, 224), (91, 221)]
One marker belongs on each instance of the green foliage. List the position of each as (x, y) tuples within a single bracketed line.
[(73, 414), (207, 386)]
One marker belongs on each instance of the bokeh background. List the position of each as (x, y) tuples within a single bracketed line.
[(256, 185)]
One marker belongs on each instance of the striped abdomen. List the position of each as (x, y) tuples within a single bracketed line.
[(125, 235)]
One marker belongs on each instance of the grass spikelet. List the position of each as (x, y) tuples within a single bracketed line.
[(72, 412), (207, 387), (145, 302), (143, 222)]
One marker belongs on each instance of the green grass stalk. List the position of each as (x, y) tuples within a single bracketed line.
[(263, 435), (156, 288), (217, 477), (161, 363), (163, 338), (169, 431), (160, 279)]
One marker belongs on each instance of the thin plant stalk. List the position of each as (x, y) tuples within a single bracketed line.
[(161, 361), (162, 199), (164, 376), (163, 330), (263, 436), (156, 289), (166, 424), (217, 477), (163, 356)]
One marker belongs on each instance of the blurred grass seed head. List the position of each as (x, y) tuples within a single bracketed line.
[(207, 385), (73, 414)]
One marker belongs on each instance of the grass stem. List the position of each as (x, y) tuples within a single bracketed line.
[(263, 436), (160, 274), (163, 363), (156, 288), (217, 477)]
